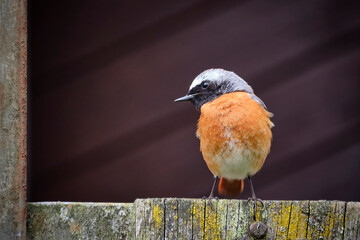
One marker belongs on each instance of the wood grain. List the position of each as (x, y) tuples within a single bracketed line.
[(173, 218)]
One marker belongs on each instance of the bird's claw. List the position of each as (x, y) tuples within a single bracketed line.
[(256, 200), (209, 200)]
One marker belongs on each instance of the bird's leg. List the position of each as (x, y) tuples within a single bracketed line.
[(213, 187), (212, 191), (253, 197)]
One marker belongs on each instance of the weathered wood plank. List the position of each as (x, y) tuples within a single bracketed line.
[(13, 118), (352, 221), (171, 218), (198, 219), (193, 219), (157, 219), (278, 218), (298, 220), (60, 220), (185, 219), (232, 220), (150, 219), (245, 219), (221, 218), (326, 220), (140, 223), (211, 225)]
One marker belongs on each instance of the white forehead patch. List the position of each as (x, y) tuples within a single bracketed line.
[(210, 74)]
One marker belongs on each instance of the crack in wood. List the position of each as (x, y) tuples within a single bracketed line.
[(288, 227), (308, 219)]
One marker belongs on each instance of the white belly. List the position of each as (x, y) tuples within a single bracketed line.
[(236, 161)]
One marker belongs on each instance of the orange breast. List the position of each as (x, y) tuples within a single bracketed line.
[(235, 135)]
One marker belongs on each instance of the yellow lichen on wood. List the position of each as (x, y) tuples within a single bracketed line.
[(212, 228), (198, 219), (278, 219), (330, 223), (157, 216), (326, 220), (284, 219), (171, 218), (258, 210), (298, 220), (184, 219)]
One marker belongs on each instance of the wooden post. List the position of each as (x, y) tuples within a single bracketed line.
[(13, 107), (172, 218)]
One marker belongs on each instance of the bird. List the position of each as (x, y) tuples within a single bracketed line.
[(234, 129)]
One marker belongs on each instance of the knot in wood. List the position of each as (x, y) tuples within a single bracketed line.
[(258, 230)]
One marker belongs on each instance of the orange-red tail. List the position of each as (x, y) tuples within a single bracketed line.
[(232, 188)]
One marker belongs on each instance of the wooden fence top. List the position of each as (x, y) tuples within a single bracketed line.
[(172, 218)]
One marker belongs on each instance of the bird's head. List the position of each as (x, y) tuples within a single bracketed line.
[(213, 83)]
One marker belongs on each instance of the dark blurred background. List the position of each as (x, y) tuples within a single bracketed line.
[(104, 74)]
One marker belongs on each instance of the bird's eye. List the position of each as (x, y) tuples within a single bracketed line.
[(205, 84)]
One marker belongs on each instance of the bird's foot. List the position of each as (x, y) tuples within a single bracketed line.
[(209, 199), (256, 200)]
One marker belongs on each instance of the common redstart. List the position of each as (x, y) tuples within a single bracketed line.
[(234, 129)]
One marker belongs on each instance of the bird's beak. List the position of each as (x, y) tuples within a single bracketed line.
[(184, 98)]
